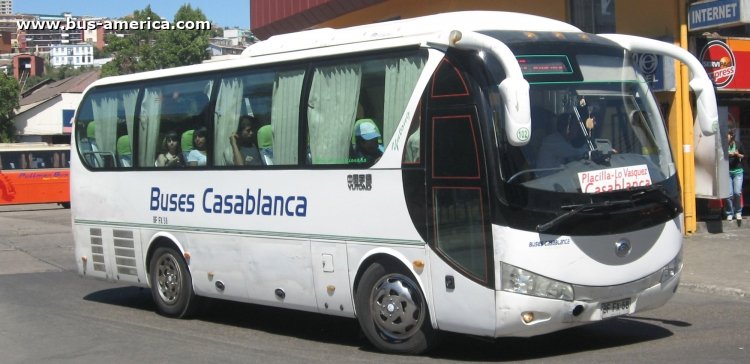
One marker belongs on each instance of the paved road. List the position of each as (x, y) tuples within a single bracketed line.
[(50, 315)]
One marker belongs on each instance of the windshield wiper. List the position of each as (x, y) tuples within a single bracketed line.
[(646, 192), (637, 196), (534, 170), (575, 209)]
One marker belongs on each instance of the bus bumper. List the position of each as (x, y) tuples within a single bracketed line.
[(523, 316)]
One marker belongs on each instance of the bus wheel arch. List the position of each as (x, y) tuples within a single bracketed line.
[(392, 307), (170, 279)]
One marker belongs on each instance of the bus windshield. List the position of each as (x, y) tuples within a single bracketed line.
[(600, 132)]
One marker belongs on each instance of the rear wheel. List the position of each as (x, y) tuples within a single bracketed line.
[(171, 284), (392, 311)]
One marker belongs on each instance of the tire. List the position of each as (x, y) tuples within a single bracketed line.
[(392, 311), (65, 205), (171, 284)]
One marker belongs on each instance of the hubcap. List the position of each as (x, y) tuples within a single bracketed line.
[(397, 307), (169, 277)]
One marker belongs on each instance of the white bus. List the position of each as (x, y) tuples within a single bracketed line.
[(486, 173)]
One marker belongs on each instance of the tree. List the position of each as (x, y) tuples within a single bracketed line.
[(180, 47), (145, 50), (132, 52), (8, 103)]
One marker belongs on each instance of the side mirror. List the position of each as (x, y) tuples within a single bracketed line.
[(514, 89), (707, 115), (517, 110)]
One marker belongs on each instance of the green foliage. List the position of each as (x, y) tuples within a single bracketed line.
[(145, 50), (132, 52), (182, 47), (9, 96)]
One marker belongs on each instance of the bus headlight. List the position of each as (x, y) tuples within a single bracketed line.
[(521, 281), (670, 270)]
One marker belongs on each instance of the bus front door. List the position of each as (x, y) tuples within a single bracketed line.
[(458, 223)]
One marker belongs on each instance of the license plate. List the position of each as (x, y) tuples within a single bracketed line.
[(615, 308)]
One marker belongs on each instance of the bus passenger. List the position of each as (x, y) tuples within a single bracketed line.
[(367, 148), (186, 143), (242, 150), (171, 153), (197, 156), (265, 144), (124, 152)]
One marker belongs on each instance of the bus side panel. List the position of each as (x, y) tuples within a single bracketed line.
[(34, 186), (216, 263), (279, 272), (331, 276), (110, 253), (468, 307)]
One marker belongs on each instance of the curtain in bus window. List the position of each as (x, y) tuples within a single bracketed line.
[(149, 127), (228, 108), (400, 76), (285, 116), (105, 115), (332, 109), (129, 99)]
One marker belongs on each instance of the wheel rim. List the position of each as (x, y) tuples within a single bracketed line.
[(169, 279), (397, 307)]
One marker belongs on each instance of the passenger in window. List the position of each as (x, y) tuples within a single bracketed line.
[(91, 133), (265, 144), (171, 153), (242, 150), (367, 148), (124, 153), (197, 156), (186, 143)]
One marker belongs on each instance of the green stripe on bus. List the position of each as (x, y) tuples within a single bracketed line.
[(258, 233)]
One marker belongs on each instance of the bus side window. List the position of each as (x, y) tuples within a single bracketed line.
[(25, 162), (413, 147), (331, 112)]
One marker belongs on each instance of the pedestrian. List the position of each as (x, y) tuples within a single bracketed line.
[(734, 202)]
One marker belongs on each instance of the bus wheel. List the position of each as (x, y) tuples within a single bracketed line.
[(392, 311), (171, 284)]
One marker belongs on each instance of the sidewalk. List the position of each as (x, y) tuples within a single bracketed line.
[(717, 259)]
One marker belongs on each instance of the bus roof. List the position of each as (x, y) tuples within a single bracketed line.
[(324, 41), (411, 27)]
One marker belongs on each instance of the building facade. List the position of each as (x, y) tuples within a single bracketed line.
[(6, 7), (46, 114), (664, 20), (42, 40), (74, 55)]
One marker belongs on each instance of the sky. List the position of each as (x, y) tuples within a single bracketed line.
[(226, 13)]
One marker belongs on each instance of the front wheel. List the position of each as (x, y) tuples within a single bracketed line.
[(171, 284), (392, 311)]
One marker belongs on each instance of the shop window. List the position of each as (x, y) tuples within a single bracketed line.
[(593, 16)]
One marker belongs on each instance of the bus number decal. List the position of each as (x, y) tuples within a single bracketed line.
[(161, 220)]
